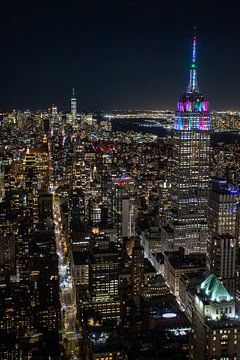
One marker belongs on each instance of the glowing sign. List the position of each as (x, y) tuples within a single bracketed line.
[(170, 315), (105, 148), (234, 191), (122, 180)]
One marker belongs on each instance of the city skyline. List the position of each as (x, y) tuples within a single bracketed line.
[(119, 242), (116, 55)]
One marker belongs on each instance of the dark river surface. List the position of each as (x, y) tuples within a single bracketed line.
[(130, 125)]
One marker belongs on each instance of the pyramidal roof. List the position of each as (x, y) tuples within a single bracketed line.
[(214, 290)]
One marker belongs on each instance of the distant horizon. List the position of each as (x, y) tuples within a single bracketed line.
[(91, 110)]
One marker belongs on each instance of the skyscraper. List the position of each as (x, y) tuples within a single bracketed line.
[(74, 105), (123, 207), (223, 223), (104, 278), (190, 167), (137, 271), (222, 256), (222, 208), (215, 324)]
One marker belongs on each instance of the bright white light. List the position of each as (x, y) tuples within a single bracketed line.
[(170, 315)]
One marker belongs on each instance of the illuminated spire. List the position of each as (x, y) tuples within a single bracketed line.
[(193, 85), (73, 93), (74, 104)]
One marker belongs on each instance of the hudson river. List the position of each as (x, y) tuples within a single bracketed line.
[(138, 126)]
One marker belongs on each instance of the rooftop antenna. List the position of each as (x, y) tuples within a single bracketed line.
[(193, 85)]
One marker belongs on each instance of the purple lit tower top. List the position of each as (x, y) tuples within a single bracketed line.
[(192, 109)]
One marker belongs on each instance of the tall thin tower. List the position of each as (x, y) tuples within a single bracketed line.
[(74, 104), (190, 167)]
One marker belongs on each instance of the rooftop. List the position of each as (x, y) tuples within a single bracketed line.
[(214, 290), (80, 258), (157, 280), (178, 260)]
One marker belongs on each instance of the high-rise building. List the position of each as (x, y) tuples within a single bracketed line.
[(45, 291), (222, 259), (54, 110), (104, 278), (74, 105), (222, 208), (215, 325), (2, 185), (123, 207), (222, 224), (137, 271), (8, 230), (190, 168)]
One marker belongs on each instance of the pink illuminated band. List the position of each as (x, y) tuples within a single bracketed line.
[(189, 106)]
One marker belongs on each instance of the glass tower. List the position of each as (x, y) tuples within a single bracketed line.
[(190, 167), (74, 104)]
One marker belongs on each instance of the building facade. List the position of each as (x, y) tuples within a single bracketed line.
[(215, 325), (222, 240), (190, 168)]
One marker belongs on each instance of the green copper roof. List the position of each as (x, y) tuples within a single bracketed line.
[(214, 290)]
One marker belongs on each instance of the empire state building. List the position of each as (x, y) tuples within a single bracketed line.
[(190, 168)]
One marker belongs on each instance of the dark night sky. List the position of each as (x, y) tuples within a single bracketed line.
[(117, 54)]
